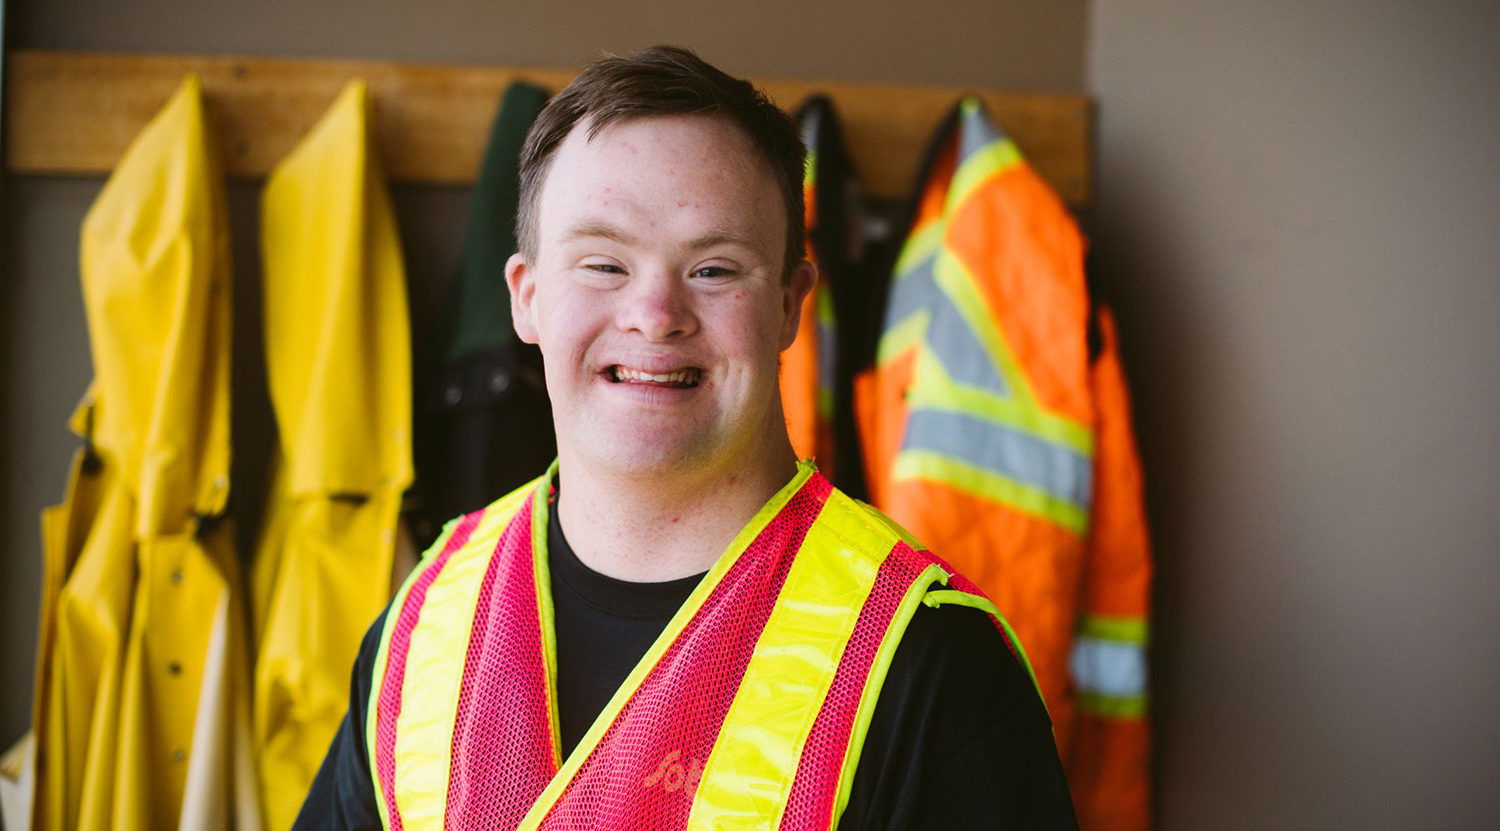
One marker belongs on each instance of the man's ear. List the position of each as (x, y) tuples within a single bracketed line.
[(522, 284), (793, 294)]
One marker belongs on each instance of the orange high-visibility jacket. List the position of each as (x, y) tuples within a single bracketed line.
[(1108, 762), (985, 431)]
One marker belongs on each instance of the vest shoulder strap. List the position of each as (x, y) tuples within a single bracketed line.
[(442, 592), (788, 746)]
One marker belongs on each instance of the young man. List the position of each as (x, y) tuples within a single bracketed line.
[(680, 625)]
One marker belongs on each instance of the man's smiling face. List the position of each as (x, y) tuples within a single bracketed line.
[(657, 296)]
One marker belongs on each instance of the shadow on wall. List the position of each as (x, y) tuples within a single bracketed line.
[(1161, 333), (44, 370)]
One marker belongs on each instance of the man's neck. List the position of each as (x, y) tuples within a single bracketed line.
[(656, 528)]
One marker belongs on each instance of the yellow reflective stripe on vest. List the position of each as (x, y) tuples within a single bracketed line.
[(541, 575), (424, 728), (749, 773), (434, 669), (382, 657)]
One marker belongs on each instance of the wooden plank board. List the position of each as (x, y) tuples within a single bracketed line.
[(73, 113)]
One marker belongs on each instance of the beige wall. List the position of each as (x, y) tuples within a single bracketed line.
[(44, 362), (1299, 209)]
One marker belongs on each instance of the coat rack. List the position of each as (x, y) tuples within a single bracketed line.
[(73, 113)]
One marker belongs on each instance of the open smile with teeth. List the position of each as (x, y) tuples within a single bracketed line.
[(677, 378)]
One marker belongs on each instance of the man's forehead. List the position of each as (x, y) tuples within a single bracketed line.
[(718, 136), (702, 156), (691, 181), (593, 125)]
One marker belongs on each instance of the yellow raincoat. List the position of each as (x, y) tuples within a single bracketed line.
[(338, 358), (141, 709)]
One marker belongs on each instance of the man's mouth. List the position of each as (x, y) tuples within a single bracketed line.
[(676, 379)]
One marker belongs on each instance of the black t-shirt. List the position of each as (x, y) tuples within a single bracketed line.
[(959, 738)]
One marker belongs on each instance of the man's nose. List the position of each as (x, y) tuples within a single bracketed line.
[(659, 306)]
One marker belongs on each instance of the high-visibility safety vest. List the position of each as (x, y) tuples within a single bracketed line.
[(747, 712), (338, 363), (142, 704), (984, 426)]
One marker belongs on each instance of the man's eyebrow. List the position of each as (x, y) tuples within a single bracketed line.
[(714, 238), (596, 230), (605, 230)]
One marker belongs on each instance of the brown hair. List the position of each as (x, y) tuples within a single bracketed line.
[(662, 80)]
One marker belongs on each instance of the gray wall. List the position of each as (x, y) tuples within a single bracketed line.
[(1298, 211), (1023, 43)]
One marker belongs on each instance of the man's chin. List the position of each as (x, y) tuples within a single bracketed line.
[(646, 456)]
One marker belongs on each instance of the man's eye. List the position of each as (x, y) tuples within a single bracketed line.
[(710, 272), (604, 268)]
